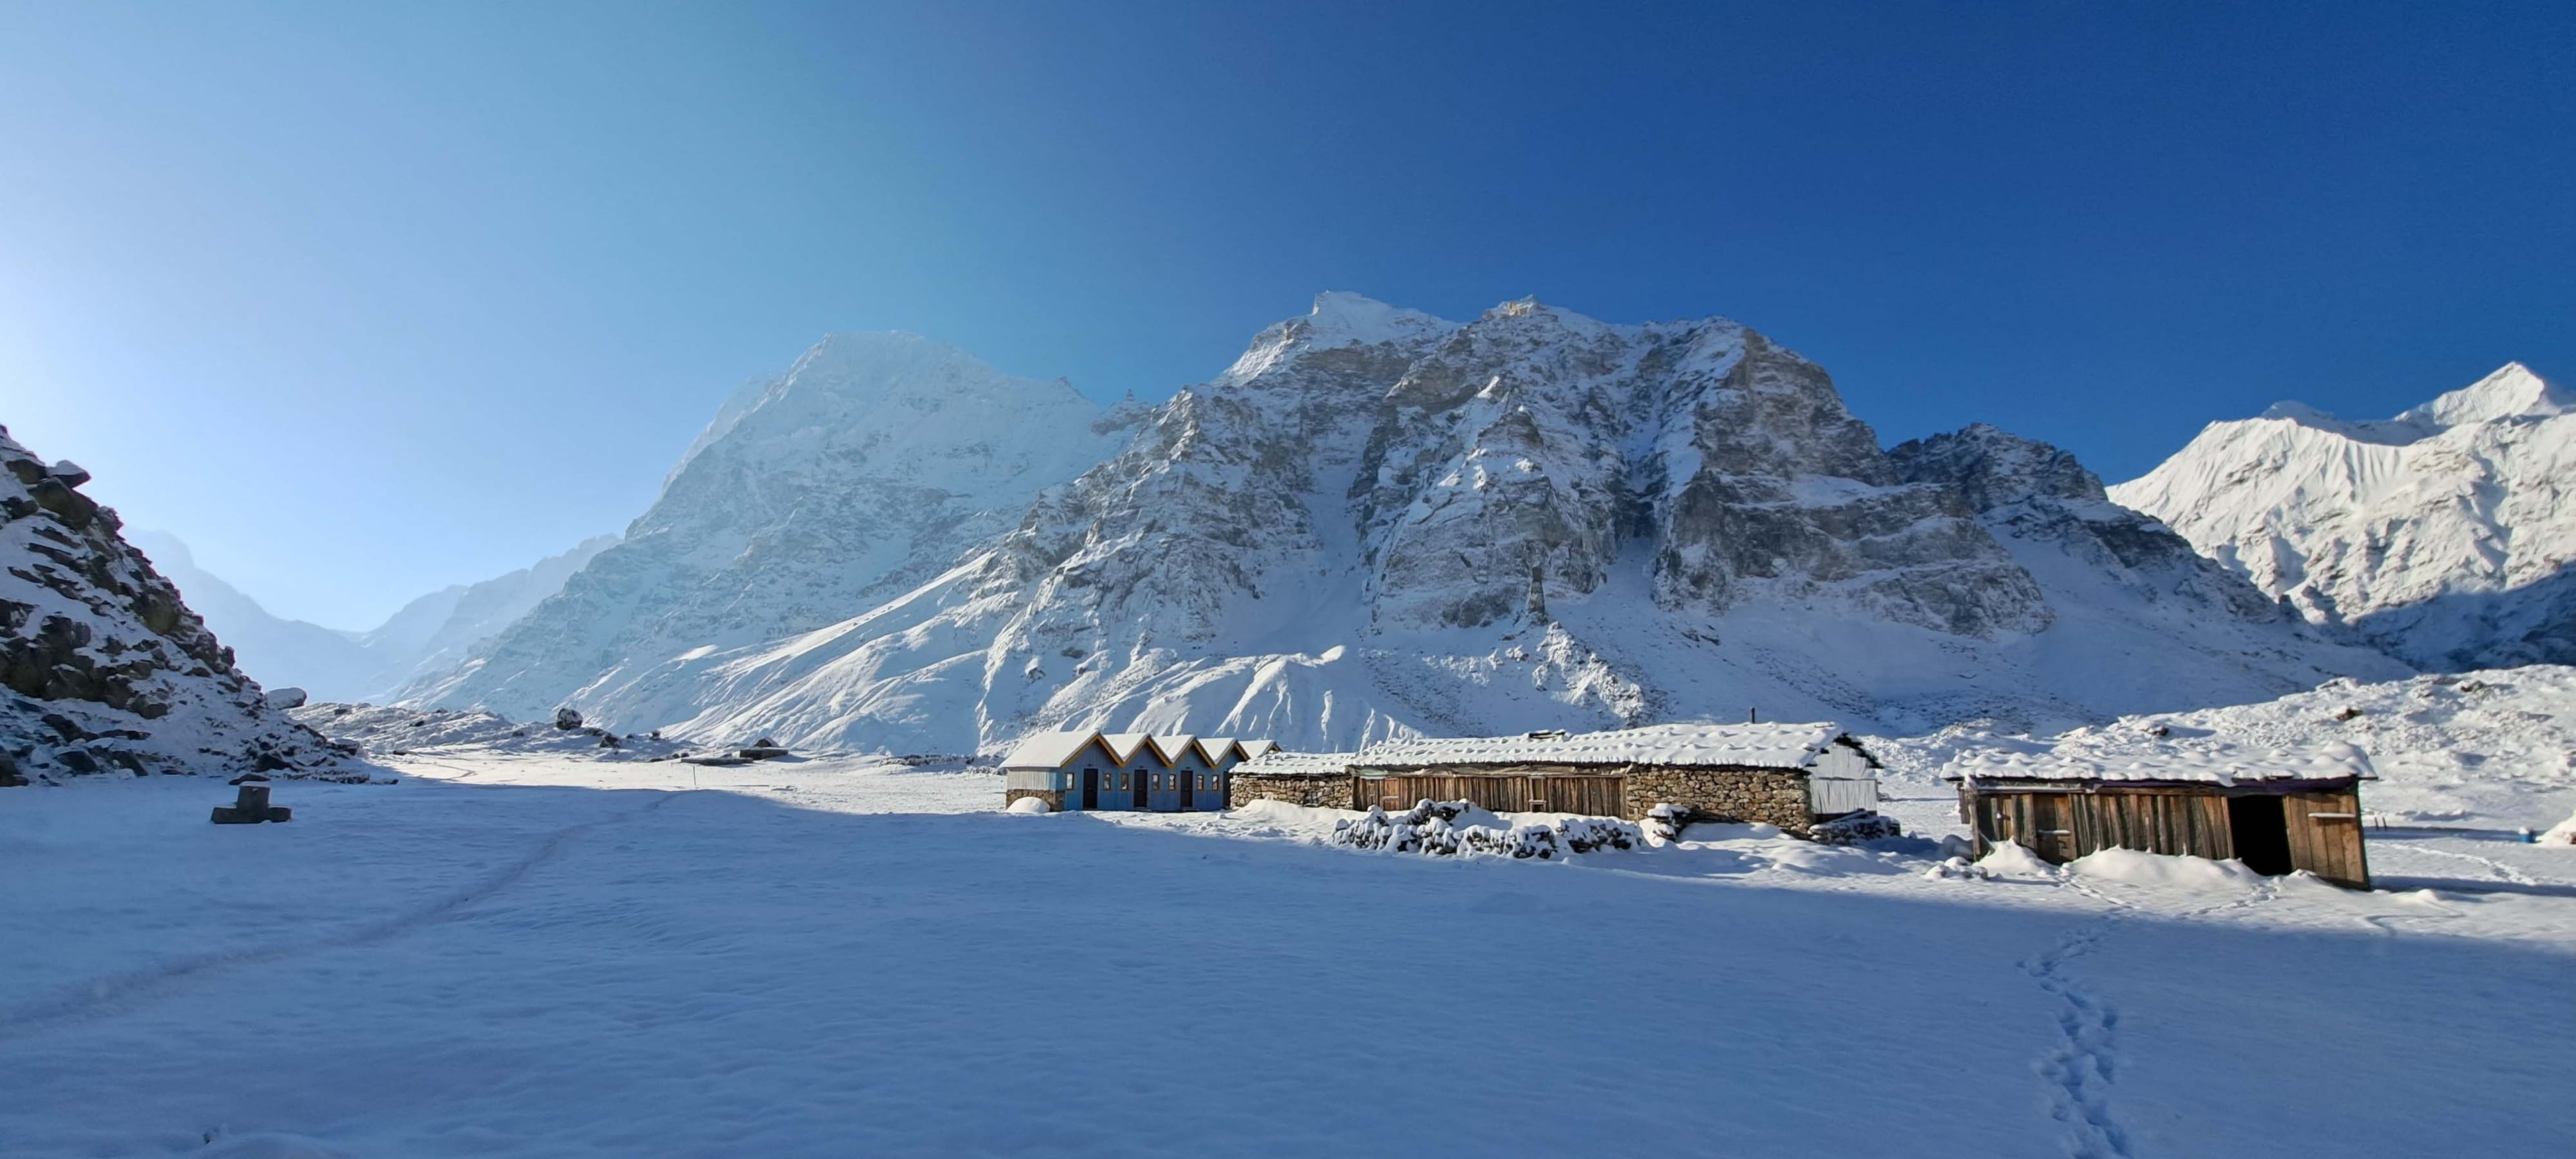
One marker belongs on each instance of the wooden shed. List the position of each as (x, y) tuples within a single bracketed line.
[(2274, 811)]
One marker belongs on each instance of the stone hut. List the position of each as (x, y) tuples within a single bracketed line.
[(1789, 775), (1315, 779)]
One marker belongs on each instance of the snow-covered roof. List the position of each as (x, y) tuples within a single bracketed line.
[(1174, 745), (1768, 746), (1254, 748), (1123, 746), (1277, 762), (1046, 750), (2096, 756)]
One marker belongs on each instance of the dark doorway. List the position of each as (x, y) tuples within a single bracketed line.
[(2262, 837), (1090, 788), (1140, 788), (1189, 790)]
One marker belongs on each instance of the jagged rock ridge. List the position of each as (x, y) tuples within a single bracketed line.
[(1378, 522)]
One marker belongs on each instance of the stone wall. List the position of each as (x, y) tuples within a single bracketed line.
[(1771, 796), (1054, 798), (1330, 792)]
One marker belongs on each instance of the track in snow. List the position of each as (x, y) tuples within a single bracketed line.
[(2080, 1069), (105, 997)]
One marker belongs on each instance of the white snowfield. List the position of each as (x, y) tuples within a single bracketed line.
[(537, 954)]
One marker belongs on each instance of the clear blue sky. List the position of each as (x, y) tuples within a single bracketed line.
[(365, 299)]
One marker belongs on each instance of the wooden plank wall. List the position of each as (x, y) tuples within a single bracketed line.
[(2061, 827), (2326, 837), (1600, 796)]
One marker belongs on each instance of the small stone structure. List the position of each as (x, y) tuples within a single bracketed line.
[(1769, 796), (250, 807)]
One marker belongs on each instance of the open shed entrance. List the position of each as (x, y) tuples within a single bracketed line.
[(2262, 837)]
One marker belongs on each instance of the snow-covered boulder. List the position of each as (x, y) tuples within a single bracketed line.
[(282, 698), (102, 666)]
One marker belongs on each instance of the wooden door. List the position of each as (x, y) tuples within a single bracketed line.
[(2325, 836), (1189, 790), (2052, 827), (1090, 788), (1141, 799)]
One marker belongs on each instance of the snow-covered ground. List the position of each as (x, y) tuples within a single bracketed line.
[(546, 954)]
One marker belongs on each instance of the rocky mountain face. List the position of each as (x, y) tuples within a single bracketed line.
[(427, 637), (2443, 535), (871, 464), (105, 668), (1377, 522)]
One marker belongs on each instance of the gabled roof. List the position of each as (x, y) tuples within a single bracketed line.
[(1766, 746), (1047, 750), (1254, 748), (1176, 746), (1217, 749), (1123, 747)]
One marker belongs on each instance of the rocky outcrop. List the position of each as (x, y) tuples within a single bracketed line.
[(102, 666), (2029, 492)]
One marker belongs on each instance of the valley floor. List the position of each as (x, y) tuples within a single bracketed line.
[(548, 956)]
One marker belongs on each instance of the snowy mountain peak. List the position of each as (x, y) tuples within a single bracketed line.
[(2439, 534), (2513, 391), (1340, 316)]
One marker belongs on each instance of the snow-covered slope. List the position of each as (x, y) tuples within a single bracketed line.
[(870, 464), (1377, 523), (434, 633), (2496, 746), (105, 669), (427, 636), (2444, 535)]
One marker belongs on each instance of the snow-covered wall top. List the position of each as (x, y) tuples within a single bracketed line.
[(2134, 755), (102, 666), (2446, 535), (1763, 746)]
